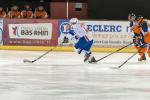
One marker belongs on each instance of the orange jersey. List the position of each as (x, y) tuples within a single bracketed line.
[(136, 29), (147, 38), (26, 14), (2, 14), (146, 30), (14, 14), (40, 14), (147, 35)]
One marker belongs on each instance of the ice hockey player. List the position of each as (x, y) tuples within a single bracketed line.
[(138, 37), (82, 39), (145, 25)]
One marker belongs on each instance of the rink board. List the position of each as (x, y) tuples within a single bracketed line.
[(64, 49), (108, 35)]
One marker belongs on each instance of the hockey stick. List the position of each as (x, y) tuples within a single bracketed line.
[(125, 61), (113, 52), (129, 58), (32, 61)]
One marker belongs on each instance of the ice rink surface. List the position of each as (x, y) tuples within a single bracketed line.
[(64, 76)]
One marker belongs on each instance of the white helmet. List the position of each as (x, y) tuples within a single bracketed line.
[(74, 21)]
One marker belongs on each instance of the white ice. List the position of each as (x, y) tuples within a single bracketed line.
[(64, 76)]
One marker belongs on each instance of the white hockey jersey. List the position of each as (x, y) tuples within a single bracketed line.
[(78, 31)]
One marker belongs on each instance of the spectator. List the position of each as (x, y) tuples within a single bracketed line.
[(14, 13), (2, 13), (27, 12), (40, 12)]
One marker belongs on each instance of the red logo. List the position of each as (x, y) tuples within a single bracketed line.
[(14, 30)]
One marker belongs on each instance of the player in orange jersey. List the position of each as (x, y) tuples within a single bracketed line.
[(40, 13), (2, 13), (27, 12), (145, 26), (138, 38), (14, 13)]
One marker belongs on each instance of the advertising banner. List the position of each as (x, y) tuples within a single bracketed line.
[(1, 31), (30, 32), (62, 33), (110, 33), (105, 33)]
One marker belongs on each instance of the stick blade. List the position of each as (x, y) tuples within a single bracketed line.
[(27, 61), (115, 67)]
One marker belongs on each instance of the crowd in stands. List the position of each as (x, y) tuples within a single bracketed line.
[(27, 12)]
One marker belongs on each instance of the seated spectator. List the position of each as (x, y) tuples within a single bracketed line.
[(14, 13), (2, 13), (40, 12), (27, 12)]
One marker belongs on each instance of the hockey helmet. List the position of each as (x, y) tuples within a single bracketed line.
[(74, 21), (131, 16), (139, 18)]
